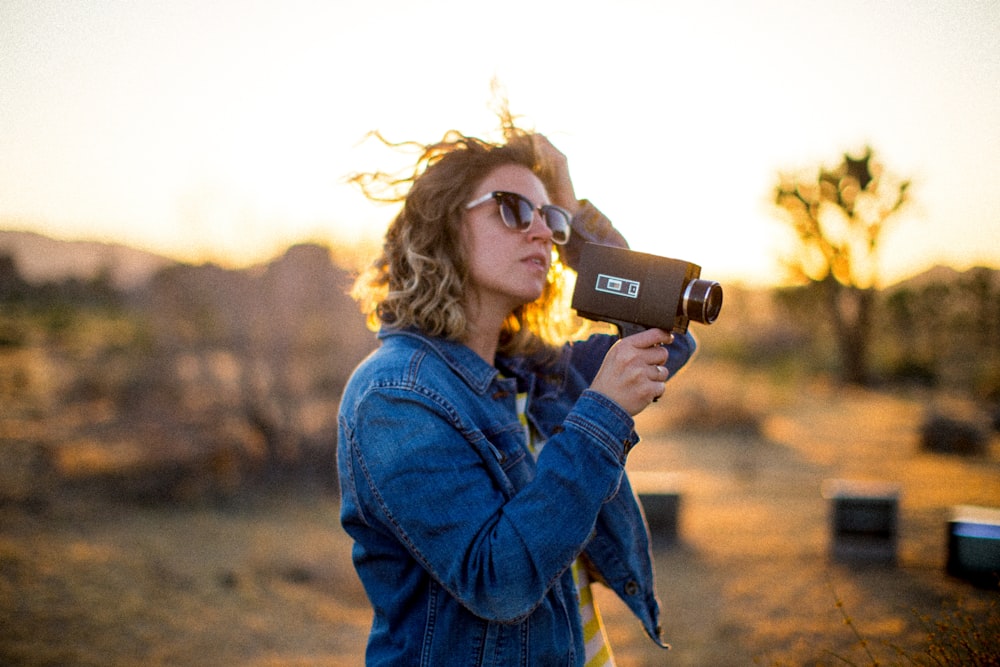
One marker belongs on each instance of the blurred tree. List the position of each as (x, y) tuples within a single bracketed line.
[(905, 322), (985, 315), (838, 217)]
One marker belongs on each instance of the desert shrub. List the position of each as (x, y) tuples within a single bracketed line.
[(958, 638), (26, 471), (948, 435), (955, 636), (704, 413), (12, 335), (986, 384), (914, 372)]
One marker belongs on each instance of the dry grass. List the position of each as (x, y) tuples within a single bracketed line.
[(268, 581)]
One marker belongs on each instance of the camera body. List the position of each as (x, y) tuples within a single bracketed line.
[(636, 291)]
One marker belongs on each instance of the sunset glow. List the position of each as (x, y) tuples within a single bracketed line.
[(223, 131)]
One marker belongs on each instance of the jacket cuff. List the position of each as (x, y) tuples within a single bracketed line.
[(603, 419)]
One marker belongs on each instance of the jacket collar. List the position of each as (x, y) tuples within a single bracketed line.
[(460, 358)]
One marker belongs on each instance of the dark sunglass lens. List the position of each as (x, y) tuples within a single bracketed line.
[(510, 209), (525, 213), (558, 221), (518, 213), (506, 213)]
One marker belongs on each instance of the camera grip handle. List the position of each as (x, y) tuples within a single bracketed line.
[(626, 329)]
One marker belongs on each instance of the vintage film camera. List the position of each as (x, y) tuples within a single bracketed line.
[(636, 291)]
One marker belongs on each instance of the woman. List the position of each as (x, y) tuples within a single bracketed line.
[(481, 464)]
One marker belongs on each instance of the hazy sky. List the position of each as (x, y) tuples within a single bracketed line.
[(223, 130)]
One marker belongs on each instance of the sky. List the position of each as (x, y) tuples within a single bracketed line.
[(224, 131)]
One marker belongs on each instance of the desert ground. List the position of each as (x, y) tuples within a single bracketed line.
[(265, 579)]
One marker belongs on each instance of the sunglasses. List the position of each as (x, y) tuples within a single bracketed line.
[(517, 212)]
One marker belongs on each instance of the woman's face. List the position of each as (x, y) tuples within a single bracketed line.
[(507, 267)]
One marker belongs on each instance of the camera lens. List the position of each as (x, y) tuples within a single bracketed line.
[(702, 301)]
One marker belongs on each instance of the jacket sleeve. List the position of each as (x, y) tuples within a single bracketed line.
[(433, 485), (589, 226)]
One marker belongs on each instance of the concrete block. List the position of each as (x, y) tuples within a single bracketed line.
[(864, 520), (660, 496), (974, 544)]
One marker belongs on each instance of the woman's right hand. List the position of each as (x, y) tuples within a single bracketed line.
[(634, 370), (557, 167)]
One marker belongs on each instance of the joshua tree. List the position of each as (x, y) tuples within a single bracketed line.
[(838, 217)]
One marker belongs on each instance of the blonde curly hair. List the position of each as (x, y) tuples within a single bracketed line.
[(419, 278)]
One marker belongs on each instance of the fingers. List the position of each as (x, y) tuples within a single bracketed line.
[(557, 165), (651, 347), (660, 376), (634, 370), (659, 355), (651, 337), (541, 143)]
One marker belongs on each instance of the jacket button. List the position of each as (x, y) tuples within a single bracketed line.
[(631, 588)]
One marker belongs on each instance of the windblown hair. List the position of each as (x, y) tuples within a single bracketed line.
[(420, 278)]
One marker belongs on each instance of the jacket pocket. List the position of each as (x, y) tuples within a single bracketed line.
[(511, 455)]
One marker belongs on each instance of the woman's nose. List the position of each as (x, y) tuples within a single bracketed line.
[(539, 228)]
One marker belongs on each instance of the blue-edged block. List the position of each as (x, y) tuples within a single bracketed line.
[(864, 520), (974, 544), (660, 496)]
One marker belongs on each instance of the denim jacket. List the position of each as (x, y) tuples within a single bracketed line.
[(462, 540)]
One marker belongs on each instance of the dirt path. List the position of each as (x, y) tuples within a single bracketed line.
[(752, 580), (269, 581)]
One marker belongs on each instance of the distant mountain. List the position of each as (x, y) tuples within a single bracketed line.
[(42, 259), (943, 275)]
